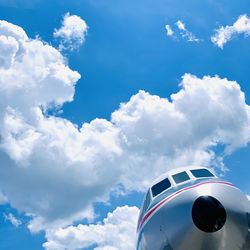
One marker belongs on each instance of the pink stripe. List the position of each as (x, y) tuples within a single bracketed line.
[(150, 212)]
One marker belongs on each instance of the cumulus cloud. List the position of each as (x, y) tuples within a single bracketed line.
[(12, 219), (159, 134), (72, 33), (54, 170), (186, 34), (227, 33), (116, 232)]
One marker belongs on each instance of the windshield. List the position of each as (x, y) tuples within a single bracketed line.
[(160, 187), (180, 177), (201, 173)]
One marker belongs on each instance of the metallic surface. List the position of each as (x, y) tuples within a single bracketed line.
[(168, 224)]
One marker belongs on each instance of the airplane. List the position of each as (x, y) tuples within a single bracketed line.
[(190, 208)]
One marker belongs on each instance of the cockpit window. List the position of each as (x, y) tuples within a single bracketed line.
[(200, 173), (160, 187), (180, 177)]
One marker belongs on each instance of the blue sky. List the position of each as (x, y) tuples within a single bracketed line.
[(126, 49)]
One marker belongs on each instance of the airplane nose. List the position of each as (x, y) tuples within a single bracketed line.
[(208, 214)]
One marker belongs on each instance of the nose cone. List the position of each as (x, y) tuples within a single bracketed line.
[(208, 214)]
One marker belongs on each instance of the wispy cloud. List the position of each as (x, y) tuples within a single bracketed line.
[(181, 32), (169, 30), (72, 33), (227, 33), (186, 34), (12, 219), (3, 198)]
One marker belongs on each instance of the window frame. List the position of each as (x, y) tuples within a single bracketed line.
[(147, 201)]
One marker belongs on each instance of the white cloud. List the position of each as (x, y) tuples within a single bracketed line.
[(9, 47), (169, 30), (12, 219), (158, 134), (72, 33), (248, 197), (62, 169), (227, 33), (116, 232), (181, 32), (180, 25), (186, 34)]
